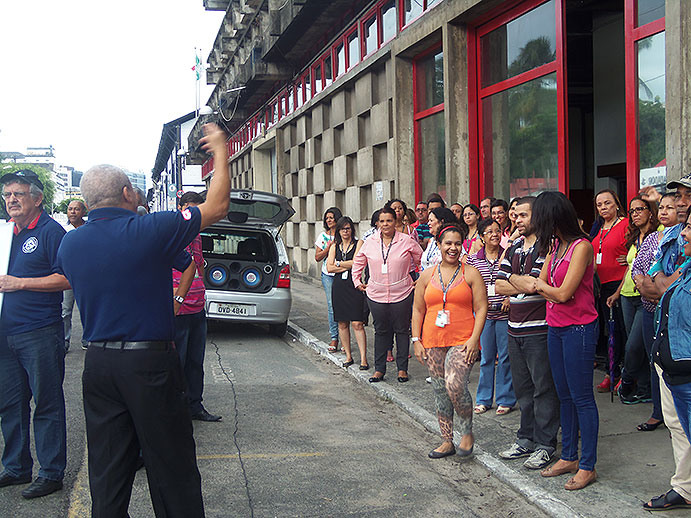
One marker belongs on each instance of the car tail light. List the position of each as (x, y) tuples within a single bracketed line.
[(284, 277)]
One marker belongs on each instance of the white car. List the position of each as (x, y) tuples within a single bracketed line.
[(246, 268)]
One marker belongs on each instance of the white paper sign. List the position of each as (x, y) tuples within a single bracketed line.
[(5, 245), (378, 191)]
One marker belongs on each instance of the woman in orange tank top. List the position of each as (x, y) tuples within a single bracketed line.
[(449, 314)]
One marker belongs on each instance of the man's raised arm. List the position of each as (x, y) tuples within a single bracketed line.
[(215, 207)]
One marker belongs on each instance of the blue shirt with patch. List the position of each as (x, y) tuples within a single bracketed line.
[(119, 265), (33, 254)]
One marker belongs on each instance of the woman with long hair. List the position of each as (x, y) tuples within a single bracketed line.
[(448, 316), (471, 217), (566, 282), (495, 338), (321, 251), (437, 219), (389, 256), (667, 216), (610, 264), (642, 222), (348, 303), (401, 209)]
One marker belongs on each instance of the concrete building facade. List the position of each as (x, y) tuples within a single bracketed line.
[(352, 103)]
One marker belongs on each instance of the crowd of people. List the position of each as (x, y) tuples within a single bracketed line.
[(512, 284)]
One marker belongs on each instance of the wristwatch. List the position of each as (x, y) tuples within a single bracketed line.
[(415, 339), (338, 264), (178, 298)]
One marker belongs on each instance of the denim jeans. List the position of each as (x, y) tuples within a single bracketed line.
[(33, 363), (571, 356), (494, 342), (534, 388), (190, 342), (682, 402), (636, 362), (648, 322), (327, 283)]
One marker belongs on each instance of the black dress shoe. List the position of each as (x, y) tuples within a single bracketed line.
[(434, 454), (206, 416), (376, 379), (9, 480), (402, 379), (42, 487)]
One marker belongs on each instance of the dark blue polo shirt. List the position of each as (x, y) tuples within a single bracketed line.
[(119, 265), (34, 254)]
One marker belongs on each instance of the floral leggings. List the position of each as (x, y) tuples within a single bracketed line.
[(450, 376)]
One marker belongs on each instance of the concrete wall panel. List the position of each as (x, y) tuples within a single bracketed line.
[(350, 142), (365, 166)]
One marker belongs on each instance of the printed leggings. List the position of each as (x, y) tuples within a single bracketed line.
[(450, 375)]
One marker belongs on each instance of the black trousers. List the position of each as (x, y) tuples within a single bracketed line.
[(133, 400), (391, 320)]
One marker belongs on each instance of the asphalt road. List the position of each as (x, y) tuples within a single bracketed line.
[(308, 441)]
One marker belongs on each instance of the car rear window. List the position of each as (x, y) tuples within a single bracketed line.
[(237, 245)]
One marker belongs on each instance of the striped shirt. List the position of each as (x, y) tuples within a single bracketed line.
[(527, 314), (489, 271), (194, 301)]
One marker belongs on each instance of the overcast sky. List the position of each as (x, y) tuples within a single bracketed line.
[(97, 80)]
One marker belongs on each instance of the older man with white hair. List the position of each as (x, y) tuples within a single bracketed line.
[(32, 351), (134, 391)]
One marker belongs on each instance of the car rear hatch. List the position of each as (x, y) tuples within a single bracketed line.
[(264, 209)]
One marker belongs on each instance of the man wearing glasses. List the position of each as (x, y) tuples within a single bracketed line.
[(32, 346)]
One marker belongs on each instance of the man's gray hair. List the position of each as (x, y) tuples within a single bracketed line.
[(102, 186)]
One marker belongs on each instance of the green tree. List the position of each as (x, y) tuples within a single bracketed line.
[(44, 176)]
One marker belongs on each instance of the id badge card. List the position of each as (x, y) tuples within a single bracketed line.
[(598, 258), (344, 275), (491, 291), (384, 268), (442, 318)]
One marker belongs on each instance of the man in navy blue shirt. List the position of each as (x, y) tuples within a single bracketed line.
[(119, 267), (32, 351)]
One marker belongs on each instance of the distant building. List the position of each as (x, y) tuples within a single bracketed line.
[(137, 179)]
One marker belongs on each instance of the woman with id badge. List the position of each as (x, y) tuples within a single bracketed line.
[(566, 283), (390, 256), (348, 302), (495, 336), (448, 316)]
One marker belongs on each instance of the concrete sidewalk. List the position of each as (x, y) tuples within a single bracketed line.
[(632, 466)]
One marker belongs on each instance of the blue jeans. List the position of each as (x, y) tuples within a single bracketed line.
[(648, 322), (636, 362), (33, 363), (327, 282), (190, 342), (495, 344), (571, 356), (682, 402)]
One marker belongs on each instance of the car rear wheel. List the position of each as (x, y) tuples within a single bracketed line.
[(278, 329)]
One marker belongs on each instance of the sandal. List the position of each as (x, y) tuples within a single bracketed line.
[(364, 367), (670, 500), (347, 364), (333, 346), (649, 427), (481, 409), (503, 410)]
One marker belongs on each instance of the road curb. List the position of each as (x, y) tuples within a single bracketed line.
[(519, 482)]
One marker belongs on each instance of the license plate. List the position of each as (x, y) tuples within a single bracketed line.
[(237, 310)]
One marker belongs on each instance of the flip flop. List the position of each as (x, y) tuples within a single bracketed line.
[(503, 410)]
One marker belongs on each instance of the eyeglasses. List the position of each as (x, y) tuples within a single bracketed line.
[(637, 210), (490, 232), (17, 194)]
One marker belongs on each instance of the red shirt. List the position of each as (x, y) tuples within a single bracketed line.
[(194, 301), (611, 244)]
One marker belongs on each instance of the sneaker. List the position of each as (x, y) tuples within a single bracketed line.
[(515, 452), (538, 460), (634, 399), (428, 379)]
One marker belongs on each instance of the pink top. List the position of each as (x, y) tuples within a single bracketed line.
[(402, 257), (194, 301), (580, 309)]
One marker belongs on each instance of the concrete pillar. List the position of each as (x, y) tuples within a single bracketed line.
[(404, 167), (678, 87)]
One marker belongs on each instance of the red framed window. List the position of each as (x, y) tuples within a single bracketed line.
[(370, 34), (327, 69), (387, 21), (518, 102), (644, 34), (317, 79), (352, 40), (428, 127), (339, 58)]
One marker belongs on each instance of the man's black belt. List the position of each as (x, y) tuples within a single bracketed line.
[(151, 345)]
